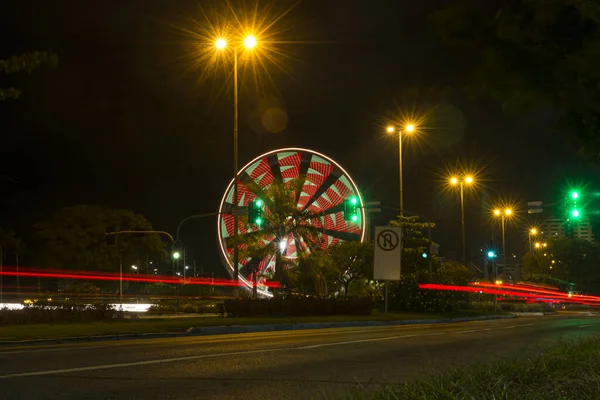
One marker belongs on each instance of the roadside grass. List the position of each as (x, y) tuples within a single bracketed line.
[(161, 325), (568, 372)]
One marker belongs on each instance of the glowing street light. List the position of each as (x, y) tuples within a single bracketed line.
[(503, 214), (408, 128), (176, 255), (221, 43), (531, 233), (249, 42), (461, 182)]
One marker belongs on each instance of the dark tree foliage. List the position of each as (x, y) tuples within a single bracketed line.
[(531, 53), (24, 63)]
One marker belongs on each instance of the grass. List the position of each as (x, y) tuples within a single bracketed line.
[(159, 325), (571, 371)]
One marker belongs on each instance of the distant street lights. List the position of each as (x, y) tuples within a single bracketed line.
[(409, 128), (503, 214), (136, 269), (461, 182), (531, 233)]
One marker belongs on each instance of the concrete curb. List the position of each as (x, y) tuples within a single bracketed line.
[(233, 329), (236, 329)]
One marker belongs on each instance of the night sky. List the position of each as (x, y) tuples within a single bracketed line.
[(128, 120)]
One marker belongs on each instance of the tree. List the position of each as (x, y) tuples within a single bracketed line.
[(282, 220), (565, 260), (352, 261), (317, 270), (75, 238), (24, 63), (527, 54), (9, 244), (414, 243)]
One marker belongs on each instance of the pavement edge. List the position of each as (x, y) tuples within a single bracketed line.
[(237, 329)]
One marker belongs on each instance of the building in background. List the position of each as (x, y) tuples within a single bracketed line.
[(553, 228)]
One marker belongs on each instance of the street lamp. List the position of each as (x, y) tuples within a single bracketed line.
[(176, 255), (136, 269), (503, 214), (531, 233), (409, 128), (461, 182), (221, 44)]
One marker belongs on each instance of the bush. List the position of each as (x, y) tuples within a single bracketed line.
[(298, 306), (172, 307), (48, 312)]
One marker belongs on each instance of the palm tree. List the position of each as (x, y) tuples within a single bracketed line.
[(286, 232)]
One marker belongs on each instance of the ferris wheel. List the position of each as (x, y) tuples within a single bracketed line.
[(325, 187)]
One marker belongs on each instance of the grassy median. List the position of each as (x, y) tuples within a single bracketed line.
[(569, 372), (159, 325)]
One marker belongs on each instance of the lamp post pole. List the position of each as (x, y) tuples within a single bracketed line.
[(236, 251), (462, 223)]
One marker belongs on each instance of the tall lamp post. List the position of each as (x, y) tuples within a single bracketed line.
[(503, 214), (409, 128), (461, 182), (221, 44)]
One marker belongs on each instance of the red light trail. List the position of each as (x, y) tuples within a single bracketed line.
[(111, 276), (520, 291)]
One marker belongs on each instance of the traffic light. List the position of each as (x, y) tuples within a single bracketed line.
[(255, 212), (574, 210), (491, 254), (351, 206)]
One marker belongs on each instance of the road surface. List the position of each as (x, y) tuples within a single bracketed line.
[(310, 364)]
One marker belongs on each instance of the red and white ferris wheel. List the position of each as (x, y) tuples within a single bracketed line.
[(325, 187)]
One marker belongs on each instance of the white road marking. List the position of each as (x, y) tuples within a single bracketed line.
[(46, 350), (201, 356), (473, 330), (515, 326), (585, 326), (316, 346)]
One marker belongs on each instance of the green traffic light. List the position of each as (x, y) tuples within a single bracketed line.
[(259, 203), (354, 200), (355, 218), (258, 221), (575, 213), (575, 195)]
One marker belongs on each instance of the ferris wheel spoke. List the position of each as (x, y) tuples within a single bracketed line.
[(303, 170), (273, 161), (229, 241), (327, 183), (248, 182), (331, 210), (347, 236)]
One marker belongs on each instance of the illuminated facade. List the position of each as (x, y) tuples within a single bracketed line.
[(553, 228)]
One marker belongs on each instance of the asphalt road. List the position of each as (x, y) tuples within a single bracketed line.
[(311, 364)]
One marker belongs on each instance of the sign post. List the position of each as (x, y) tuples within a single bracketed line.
[(388, 256)]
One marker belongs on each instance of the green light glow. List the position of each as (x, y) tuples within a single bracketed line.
[(259, 203), (575, 213), (258, 221), (575, 195), (355, 218), (354, 200)]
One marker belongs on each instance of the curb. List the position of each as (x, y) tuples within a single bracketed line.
[(83, 339), (237, 329)]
